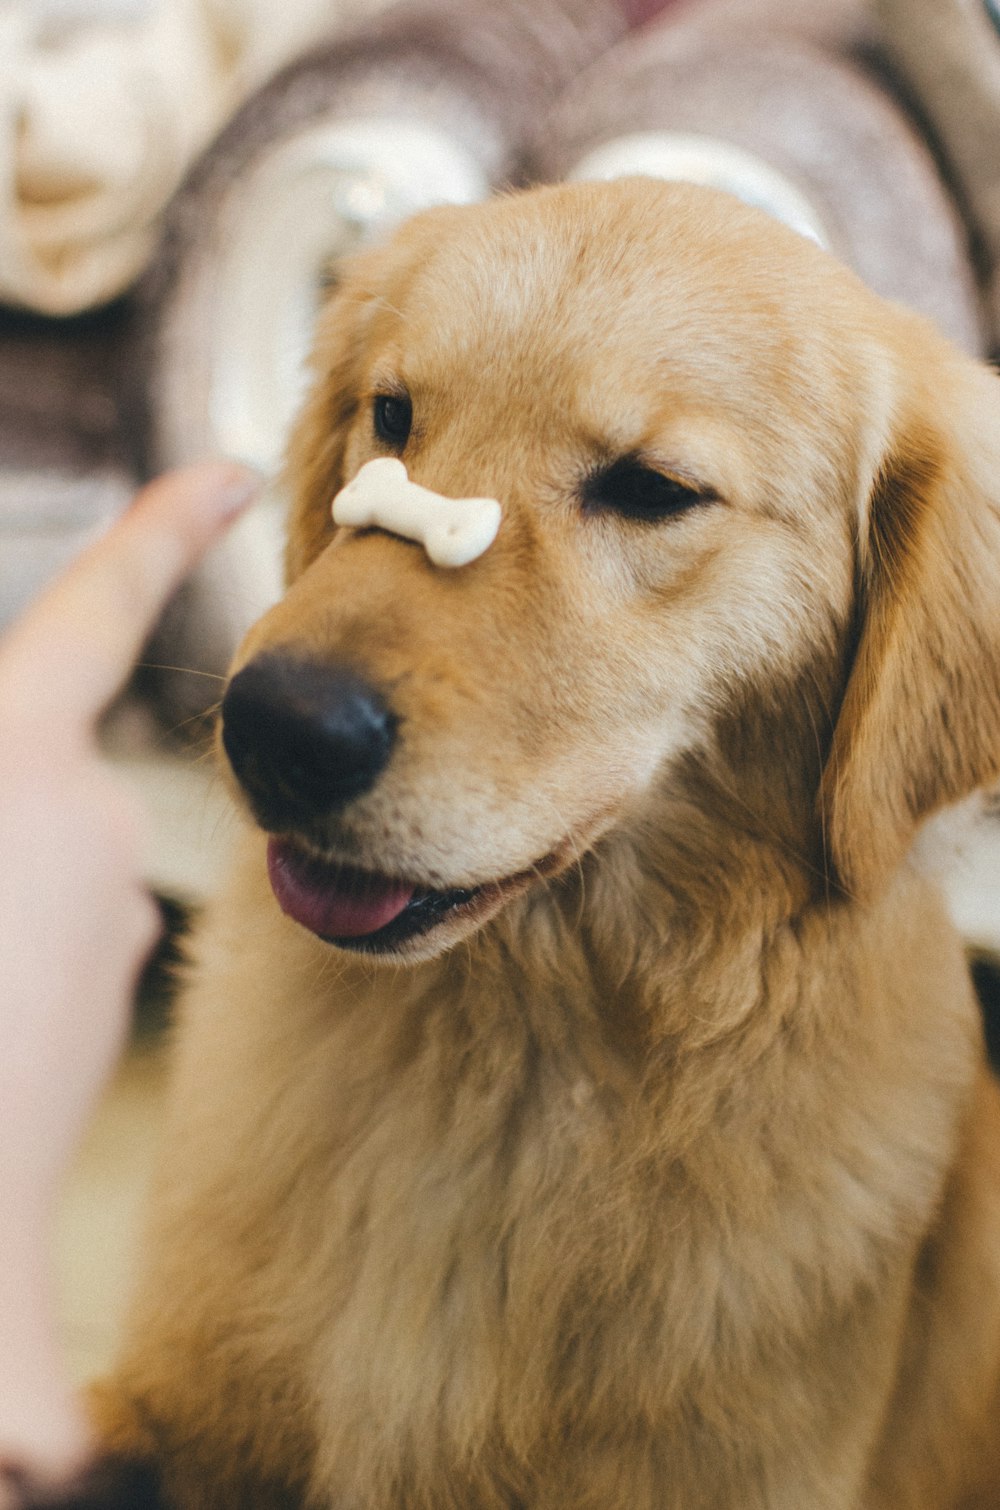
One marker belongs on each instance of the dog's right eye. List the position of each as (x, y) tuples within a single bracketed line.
[(392, 415), (629, 488)]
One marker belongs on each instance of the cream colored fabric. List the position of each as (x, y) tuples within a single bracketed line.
[(98, 124)]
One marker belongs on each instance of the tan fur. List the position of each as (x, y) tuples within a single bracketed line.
[(671, 1181)]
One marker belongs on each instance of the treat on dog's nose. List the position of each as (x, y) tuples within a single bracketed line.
[(453, 531)]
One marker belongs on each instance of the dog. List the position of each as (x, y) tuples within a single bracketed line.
[(579, 1099)]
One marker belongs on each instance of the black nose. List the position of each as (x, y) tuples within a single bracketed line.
[(303, 738)]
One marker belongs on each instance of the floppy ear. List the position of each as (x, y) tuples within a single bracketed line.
[(919, 726), (314, 467), (369, 287)]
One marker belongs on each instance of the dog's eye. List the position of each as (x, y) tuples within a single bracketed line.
[(635, 491), (392, 414)]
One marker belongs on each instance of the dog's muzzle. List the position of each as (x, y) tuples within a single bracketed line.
[(304, 741)]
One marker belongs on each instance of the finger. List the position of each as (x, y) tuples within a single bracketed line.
[(45, 1444), (76, 645)]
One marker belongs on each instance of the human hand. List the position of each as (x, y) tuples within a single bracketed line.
[(76, 922)]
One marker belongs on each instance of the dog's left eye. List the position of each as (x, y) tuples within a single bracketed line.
[(392, 415), (635, 491)]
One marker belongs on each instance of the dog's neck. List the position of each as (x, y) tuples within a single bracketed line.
[(665, 932)]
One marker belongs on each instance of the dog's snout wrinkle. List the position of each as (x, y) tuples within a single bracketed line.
[(304, 739)]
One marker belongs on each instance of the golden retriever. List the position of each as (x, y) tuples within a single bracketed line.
[(590, 1111)]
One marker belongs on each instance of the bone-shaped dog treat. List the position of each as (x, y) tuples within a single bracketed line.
[(453, 531)]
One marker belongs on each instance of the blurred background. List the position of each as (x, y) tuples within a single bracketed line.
[(178, 179)]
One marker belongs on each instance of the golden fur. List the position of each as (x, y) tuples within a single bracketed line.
[(669, 1180)]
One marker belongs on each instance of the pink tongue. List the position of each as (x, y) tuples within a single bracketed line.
[(332, 900)]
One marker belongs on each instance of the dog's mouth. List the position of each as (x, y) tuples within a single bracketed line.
[(367, 912)]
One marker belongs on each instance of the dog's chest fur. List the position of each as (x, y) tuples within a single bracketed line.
[(520, 1223)]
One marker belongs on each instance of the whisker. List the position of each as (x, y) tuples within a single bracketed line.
[(576, 864), (213, 676), (195, 718)]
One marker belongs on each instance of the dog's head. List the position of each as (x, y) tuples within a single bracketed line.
[(747, 559)]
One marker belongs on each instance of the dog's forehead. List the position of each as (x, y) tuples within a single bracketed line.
[(633, 283)]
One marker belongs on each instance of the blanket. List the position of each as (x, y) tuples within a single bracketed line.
[(100, 119)]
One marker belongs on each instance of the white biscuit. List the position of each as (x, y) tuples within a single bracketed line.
[(453, 531)]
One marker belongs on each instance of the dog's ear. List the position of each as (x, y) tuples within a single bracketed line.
[(370, 287), (919, 726), (314, 469)]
